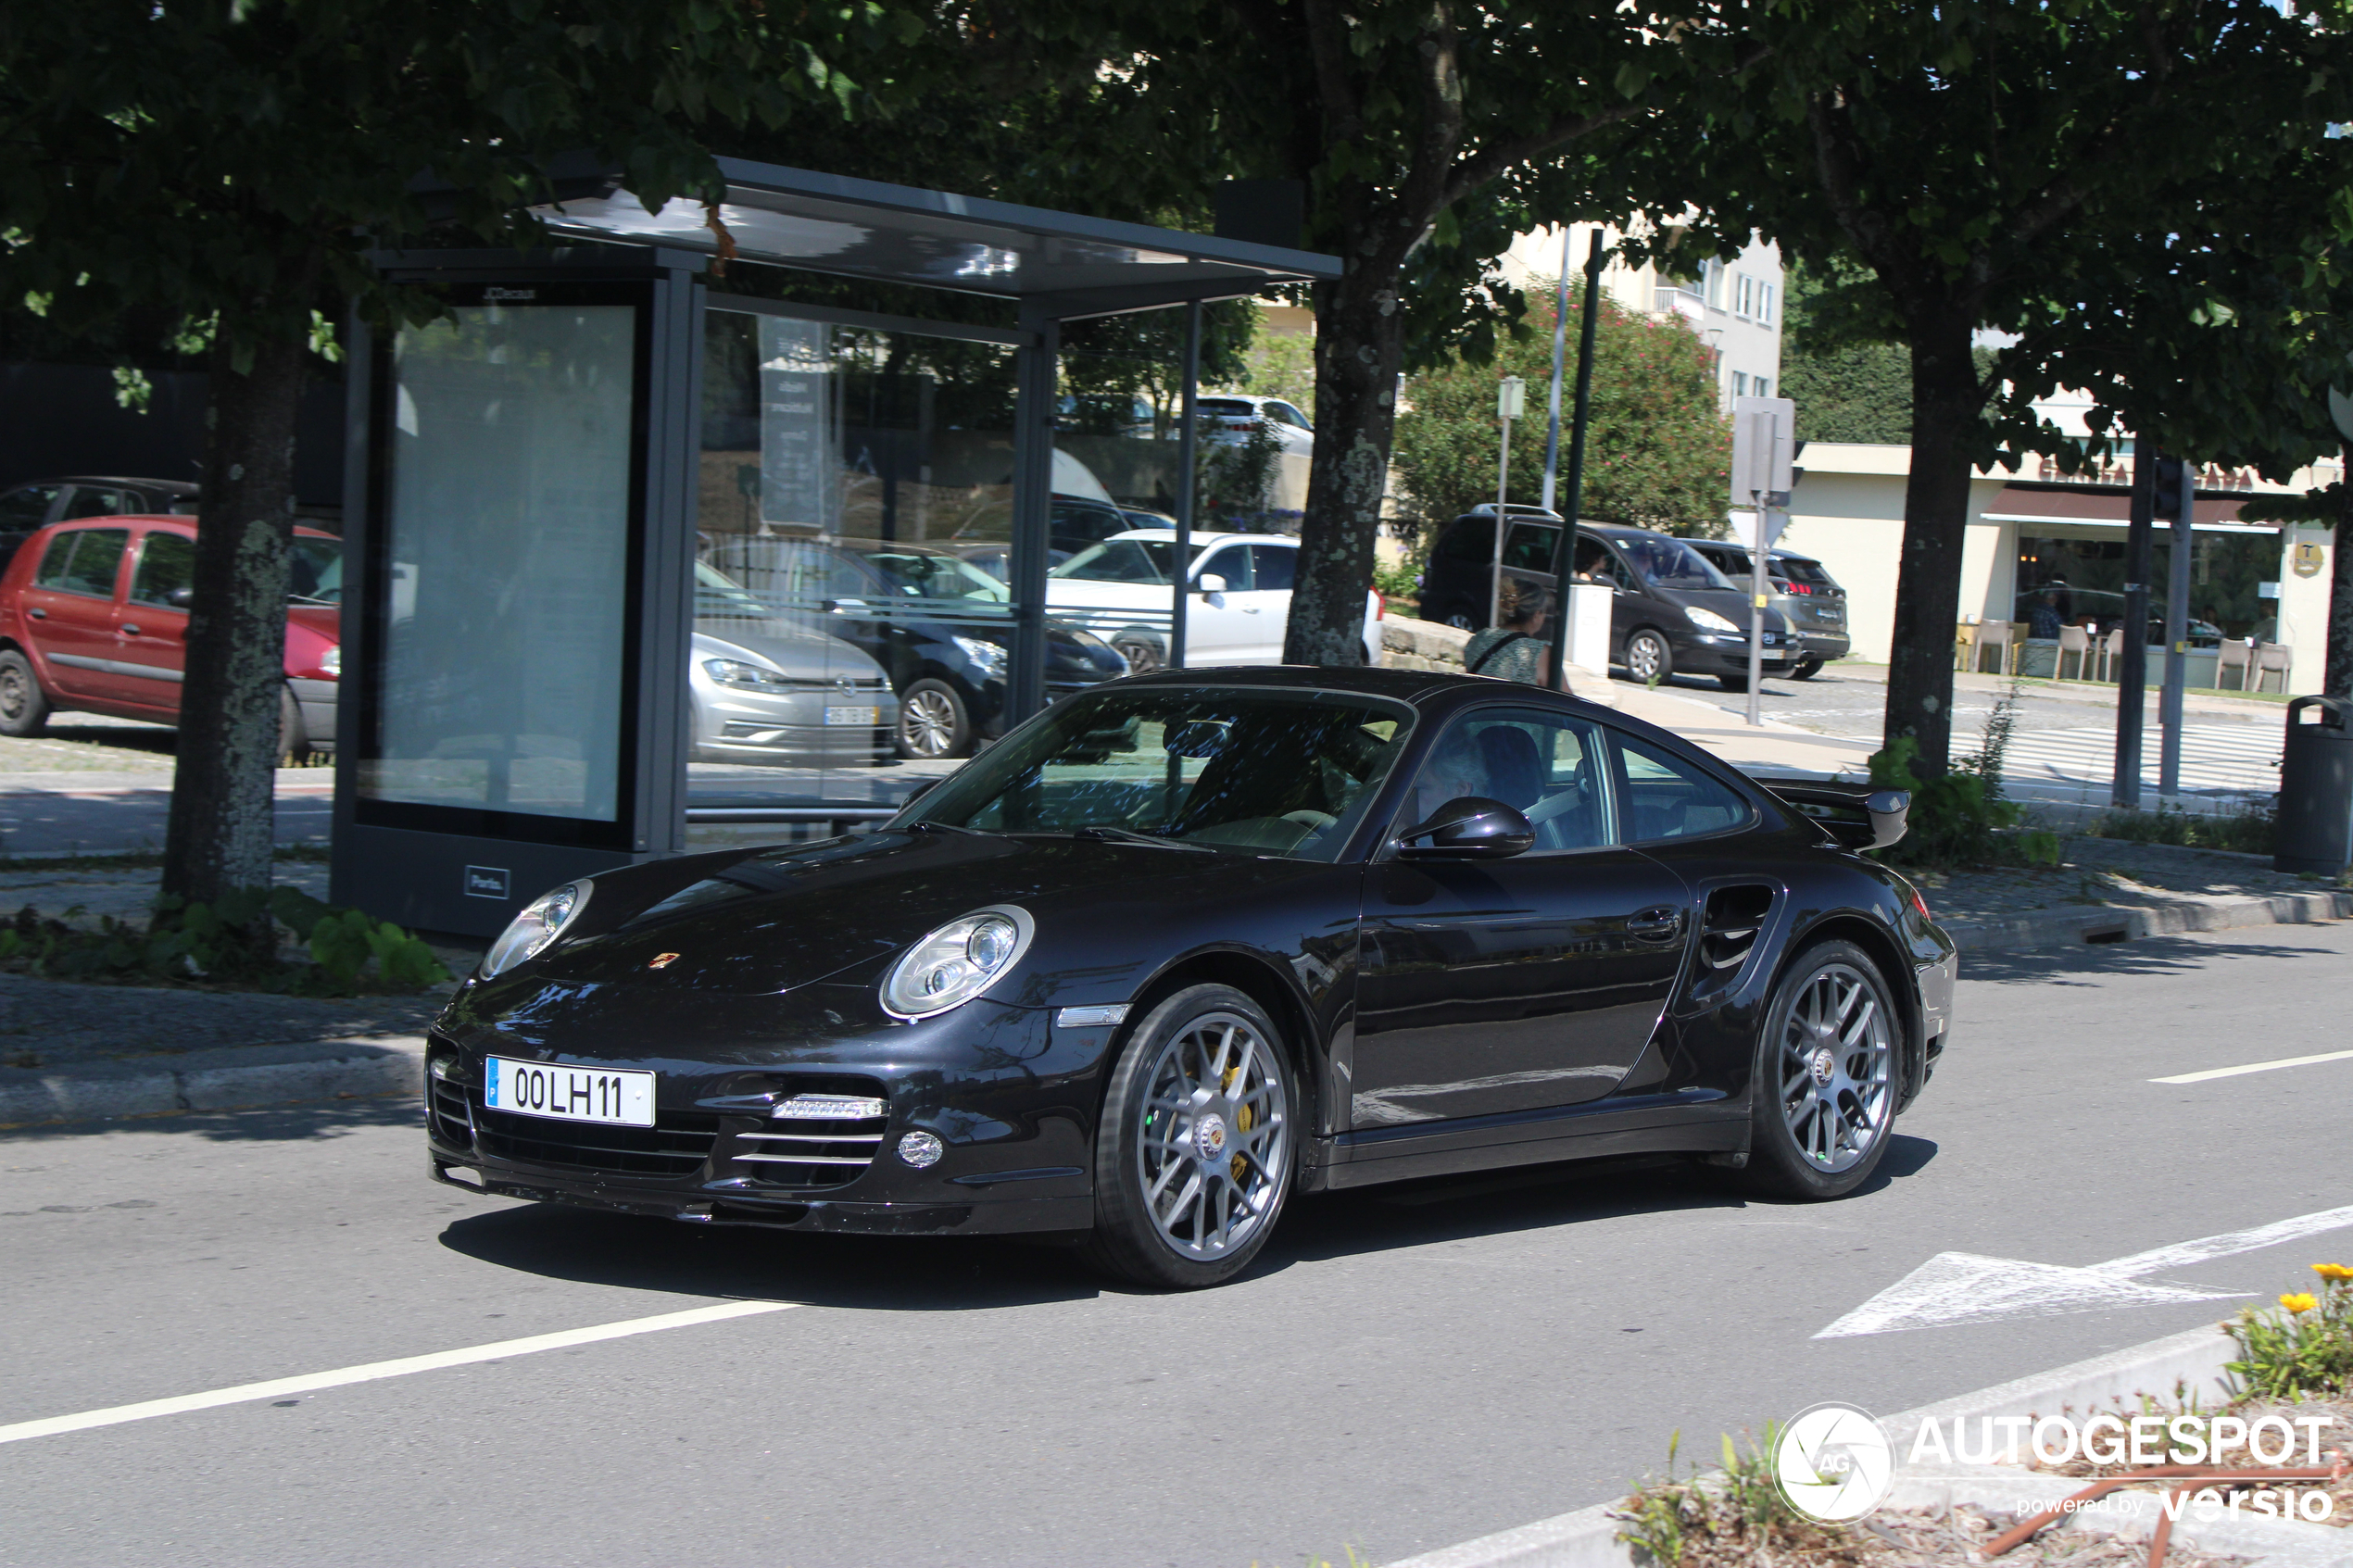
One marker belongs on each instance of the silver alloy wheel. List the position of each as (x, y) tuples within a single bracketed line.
[(1142, 656), (1645, 655), (1216, 1145), (15, 700), (927, 722), (1837, 1062)]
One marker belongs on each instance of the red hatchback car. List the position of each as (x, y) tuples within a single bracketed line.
[(93, 617)]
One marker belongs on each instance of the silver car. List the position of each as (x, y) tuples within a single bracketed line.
[(765, 690)]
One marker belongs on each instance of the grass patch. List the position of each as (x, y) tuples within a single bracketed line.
[(2248, 832)]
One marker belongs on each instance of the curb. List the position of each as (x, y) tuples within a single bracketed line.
[(225, 1079), (1588, 1539), (2111, 922)]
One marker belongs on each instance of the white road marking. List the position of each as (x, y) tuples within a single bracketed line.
[(2254, 1067), (1959, 1287), (50, 1426)]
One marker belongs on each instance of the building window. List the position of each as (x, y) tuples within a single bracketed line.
[(1763, 387), (1740, 383), (1764, 293), (1711, 275)]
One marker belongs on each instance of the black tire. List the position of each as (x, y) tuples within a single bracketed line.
[(24, 707), (1462, 617), (1807, 670), (1792, 1123), (1732, 682), (934, 721), (293, 736), (1646, 650), (1143, 654), (1182, 1247)]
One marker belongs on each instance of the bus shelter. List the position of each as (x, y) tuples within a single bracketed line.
[(726, 524)]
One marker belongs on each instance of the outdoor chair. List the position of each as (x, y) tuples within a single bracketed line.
[(2000, 639), (2271, 658), (2236, 653), (2074, 640)]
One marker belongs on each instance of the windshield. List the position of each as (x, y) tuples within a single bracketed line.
[(919, 573), (1667, 562), (1122, 560), (317, 570), (1258, 773), (717, 597)]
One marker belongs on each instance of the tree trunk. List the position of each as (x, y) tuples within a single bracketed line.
[(2337, 676), (1360, 339), (1945, 408), (223, 788)]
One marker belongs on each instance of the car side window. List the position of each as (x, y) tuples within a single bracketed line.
[(1528, 548), (1468, 539), (1552, 767), (1232, 563), (88, 501), (167, 564), (83, 562), (1273, 567), (1287, 415), (26, 507), (1668, 798), (1594, 560)]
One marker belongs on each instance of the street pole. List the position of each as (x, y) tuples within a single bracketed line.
[(1560, 346), (2132, 684), (1764, 444), (1511, 402), (1564, 548), (1179, 579), (2177, 634), (1756, 615)]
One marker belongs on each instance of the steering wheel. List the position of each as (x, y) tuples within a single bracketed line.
[(1310, 819)]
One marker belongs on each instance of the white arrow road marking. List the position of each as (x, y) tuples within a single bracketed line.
[(370, 1372), (1959, 1287), (2254, 1067)]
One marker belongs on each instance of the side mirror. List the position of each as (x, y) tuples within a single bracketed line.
[(1889, 809), (181, 598), (1471, 828), (1209, 582)]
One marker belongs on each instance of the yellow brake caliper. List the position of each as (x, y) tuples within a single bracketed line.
[(1244, 1119)]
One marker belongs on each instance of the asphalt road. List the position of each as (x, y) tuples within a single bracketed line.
[(1401, 1370)]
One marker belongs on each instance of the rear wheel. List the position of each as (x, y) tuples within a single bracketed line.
[(1807, 670), (1143, 655), (1648, 659), (1193, 1156), (1823, 1104), (934, 721), (24, 707)]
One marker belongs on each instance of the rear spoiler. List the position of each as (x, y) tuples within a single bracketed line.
[(1855, 815)]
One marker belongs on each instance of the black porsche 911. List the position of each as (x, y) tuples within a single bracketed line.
[(1183, 944)]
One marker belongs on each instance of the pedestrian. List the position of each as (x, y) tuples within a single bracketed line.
[(1515, 650)]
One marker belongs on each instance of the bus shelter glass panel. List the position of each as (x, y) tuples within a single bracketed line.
[(852, 626), (508, 475)]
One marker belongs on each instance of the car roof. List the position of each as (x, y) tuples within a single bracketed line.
[(171, 486), (177, 519), (1207, 539)]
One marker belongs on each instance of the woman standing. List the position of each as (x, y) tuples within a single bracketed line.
[(1515, 650)]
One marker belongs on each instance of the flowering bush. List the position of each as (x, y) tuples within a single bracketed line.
[(2304, 1345)]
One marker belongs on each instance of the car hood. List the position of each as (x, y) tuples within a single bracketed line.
[(793, 649), (766, 922), (1733, 606)]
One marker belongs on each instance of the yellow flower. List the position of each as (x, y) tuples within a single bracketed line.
[(2332, 1270), (2299, 1302)]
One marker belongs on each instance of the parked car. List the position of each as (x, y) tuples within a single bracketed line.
[(1239, 607), (764, 689), (940, 627), (1672, 612), (1178, 947), (1804, 592), (1224, 418), (93, 618)]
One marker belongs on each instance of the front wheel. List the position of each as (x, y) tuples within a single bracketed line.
[(1142, 654), (1807, 670), (1648, 659), (1823, 1105), (1193, 1156), (934, 721), (24, 707)]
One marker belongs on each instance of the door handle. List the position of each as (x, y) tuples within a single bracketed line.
[(38, 613), (1656, 924), (129, 630)]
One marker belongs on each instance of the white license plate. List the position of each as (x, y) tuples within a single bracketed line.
[(569, 1094), (850, 716)]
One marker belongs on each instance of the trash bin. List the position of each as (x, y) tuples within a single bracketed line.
[(2315, 830)]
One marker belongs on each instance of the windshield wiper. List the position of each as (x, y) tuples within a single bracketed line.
[(1129, 836), (927, 825)]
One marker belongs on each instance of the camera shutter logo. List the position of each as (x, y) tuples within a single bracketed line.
[(1834, 1463)]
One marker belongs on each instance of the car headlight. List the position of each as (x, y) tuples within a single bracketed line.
[(1707, 620), (987, 657), (745, 677), (542, 920), (331, 662), (957, 963)]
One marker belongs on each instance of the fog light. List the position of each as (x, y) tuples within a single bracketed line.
[(919, 1150)]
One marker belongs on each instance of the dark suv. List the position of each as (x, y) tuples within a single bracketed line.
[(1808, 596), (1672, 612)]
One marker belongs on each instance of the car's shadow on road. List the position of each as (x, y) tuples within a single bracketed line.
[(955, 1273), (2094, 961)]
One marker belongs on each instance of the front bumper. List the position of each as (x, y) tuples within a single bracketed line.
[(1725, 653), (1011, 1098)]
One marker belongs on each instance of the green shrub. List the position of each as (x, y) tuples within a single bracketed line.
[(2302, 1347), (1400, 584), (1957, 818), (215, 946), (1742, 1507)]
